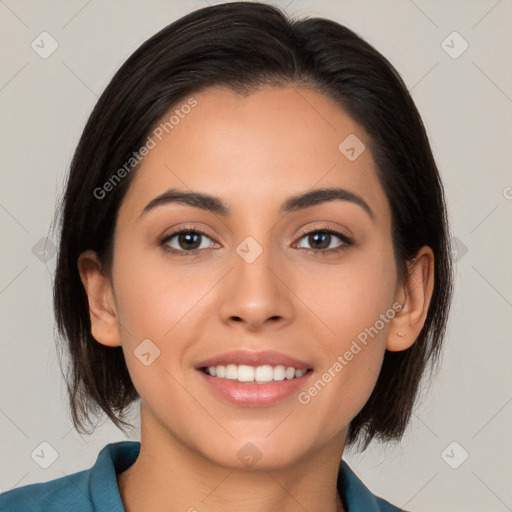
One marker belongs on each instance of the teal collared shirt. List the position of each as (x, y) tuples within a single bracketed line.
[(95, 489)]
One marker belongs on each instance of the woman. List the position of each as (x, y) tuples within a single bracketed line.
[(254, 243)]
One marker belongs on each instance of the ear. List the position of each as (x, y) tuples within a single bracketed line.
[(414, 295), (104, 322)]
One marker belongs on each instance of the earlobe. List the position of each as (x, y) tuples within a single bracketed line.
[(103, 315), (414, 295)]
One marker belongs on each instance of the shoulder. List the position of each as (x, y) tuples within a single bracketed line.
[(65, 493), (385, 506), (359, 497), (86, 491)]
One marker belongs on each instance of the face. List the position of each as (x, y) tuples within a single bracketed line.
[(311, 286)]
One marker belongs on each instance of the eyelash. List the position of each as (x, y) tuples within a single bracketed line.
[(347, 242)]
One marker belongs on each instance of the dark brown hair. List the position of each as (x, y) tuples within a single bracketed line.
[(240, 46)]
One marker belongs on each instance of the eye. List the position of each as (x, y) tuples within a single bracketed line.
[(188, 242), (321, 238)]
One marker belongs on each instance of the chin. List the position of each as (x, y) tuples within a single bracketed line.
[(257, 453)]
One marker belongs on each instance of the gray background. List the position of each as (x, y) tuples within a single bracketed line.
[(466, 104)]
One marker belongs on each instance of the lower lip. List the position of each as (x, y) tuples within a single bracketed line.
[(252, 394)]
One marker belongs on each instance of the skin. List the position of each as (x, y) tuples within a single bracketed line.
[(252, 152)]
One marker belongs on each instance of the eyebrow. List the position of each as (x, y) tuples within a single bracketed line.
[(292, 204)]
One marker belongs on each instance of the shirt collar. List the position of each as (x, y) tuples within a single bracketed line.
[(359, 497), (112, 460), (117, 457)]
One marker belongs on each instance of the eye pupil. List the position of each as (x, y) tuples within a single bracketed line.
[(185, 238), (315, 237)]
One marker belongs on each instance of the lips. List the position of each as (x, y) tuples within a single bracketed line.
[(256, 393)]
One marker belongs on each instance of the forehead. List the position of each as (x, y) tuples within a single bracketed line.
[(269, 144)]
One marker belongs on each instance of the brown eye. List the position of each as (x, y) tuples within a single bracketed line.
[(321, 240), (185, 242)]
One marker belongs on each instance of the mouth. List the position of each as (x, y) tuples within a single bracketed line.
[(254, 379)]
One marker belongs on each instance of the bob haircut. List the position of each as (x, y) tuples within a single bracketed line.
[(241, 46)]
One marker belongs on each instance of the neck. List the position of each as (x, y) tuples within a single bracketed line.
[(168, 475)]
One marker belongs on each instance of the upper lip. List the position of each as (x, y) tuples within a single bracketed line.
[(267, 357)]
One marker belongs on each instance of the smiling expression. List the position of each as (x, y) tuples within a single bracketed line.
[(248, 238)]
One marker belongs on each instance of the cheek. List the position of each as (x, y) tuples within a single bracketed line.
[(354, 302), (352, 362), (152, 295), (350, 297), (162, 303)]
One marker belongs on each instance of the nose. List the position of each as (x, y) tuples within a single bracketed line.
[(255, 295)]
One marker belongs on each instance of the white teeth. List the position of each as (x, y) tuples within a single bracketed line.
[(245, 373), (231, 372), (259, 375), (279, 372), (290, 372), (264, 374)]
